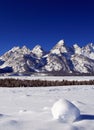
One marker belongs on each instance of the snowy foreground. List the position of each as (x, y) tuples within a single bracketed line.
[(50, 108)]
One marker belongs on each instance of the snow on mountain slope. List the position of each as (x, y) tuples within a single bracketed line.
[(15, 58), (17, 51), (60, 58), (38, 51), (88, 51), (56, 63), (59, 48), (77, 49), (57, 58), (82, 64)]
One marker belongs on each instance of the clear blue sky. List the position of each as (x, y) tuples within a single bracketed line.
[(44, 22)]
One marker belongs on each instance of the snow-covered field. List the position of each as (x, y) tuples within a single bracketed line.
[(52, 78), (42, 108)]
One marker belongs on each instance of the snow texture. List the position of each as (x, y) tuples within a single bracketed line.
[(59, 48), (63, 59), (65, 111), (38, 51), (30, 108)]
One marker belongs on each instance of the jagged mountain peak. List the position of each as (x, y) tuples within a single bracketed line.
[(24, 47), (38, 51), (9, 53), (15, 52), (89, 46), (61, 59), (76, 45), (60, 43), (15, 48), (25, 50), (88, 51), (59, 48), (37, 47), (77, 49)]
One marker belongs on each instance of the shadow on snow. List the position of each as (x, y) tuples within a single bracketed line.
[(85, 117)]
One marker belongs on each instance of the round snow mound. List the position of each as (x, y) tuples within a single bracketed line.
[(65, 111)]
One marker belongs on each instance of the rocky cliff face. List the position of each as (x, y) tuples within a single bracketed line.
[(60, 59)]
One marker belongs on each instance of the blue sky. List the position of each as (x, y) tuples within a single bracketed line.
[(45, 22)]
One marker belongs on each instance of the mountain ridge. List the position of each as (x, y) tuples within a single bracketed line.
[(60, 60)]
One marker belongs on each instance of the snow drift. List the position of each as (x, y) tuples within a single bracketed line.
[(65, 111), (30, 108)]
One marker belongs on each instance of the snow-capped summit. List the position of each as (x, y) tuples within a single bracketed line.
[(59, 48), (25, 49), (61, 60), (88, 51), (15, 58), (60, 43), (77, 49), (14, 49), (38, 51), (17, 51), (89, 47)]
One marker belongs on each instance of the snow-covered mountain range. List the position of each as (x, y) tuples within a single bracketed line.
[(60, 60)]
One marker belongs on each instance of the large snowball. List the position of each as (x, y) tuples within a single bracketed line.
[(65, 111)]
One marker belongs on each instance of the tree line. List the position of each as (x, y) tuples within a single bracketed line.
[(40, 83)]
